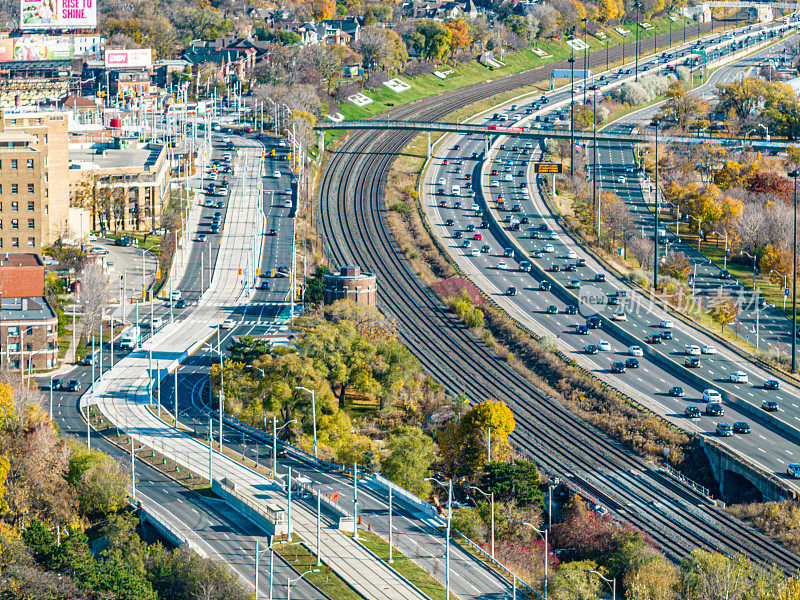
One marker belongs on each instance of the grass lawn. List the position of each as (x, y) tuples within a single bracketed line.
[(302, 559), (405, 566), (515, 62)]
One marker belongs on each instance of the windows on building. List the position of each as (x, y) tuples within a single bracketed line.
[(31, 242), (31, 188)]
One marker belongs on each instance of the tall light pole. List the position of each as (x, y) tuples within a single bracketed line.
[(794, 174), (490, 497), (571, 61), (585, 59), (656, 218), (636, 67), (313, 412), (290, 582), (275, 431), (595, 199), (785, 277), (543, 534), (611, 582), (258, 554), (449, 486)]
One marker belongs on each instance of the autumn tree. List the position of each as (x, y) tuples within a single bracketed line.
[(723, 309), (776, 261), (682, 108), (769, 182), (464, 445), (459, 33), (616, 220), (676, 265), (573, 582), (607, 10), (94, 292), (713, 576), (432, 40), (742, 96)]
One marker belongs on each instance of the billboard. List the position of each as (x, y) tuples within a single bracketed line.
[(57, 14), (36, 47), (140, 57)]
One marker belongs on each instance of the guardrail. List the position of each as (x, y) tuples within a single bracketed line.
[(497, 563), (402, 493), (675, 474)]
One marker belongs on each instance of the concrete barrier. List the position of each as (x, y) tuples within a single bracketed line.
[(272, 519), (402, 494)]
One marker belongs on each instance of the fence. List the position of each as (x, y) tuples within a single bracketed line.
[(403, 494)]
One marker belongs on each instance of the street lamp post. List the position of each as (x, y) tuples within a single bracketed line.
[(51, 396), (490, 497), (636, 67), (656, 211), (725, 259), (571, 61), (290, 582), (754, 259), (784, 285), (595, 199), (585, 59), (543, 534), (699, 230), (449, 486), (612, 582), (275, 431), (794, 174), (313, 413)]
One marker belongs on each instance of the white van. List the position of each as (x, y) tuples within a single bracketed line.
[(455, 190), (156, 323), (287, 203), (129, 338)]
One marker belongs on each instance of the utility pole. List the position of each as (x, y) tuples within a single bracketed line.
[(794, 174)]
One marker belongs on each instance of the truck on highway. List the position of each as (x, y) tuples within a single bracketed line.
[(129, 338)]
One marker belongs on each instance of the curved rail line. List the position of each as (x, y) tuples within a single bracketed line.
[(354, 231)]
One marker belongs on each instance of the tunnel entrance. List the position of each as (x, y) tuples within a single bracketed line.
[(737, 489)]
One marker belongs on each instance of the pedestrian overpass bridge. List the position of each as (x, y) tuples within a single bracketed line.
[(633, 137)]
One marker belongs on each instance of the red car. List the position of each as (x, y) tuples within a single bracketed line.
[(477, 237), (249, 130), (445, 162), (494, 171), (443, 203)]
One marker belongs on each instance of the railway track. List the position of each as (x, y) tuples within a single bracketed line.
[(354, 231)]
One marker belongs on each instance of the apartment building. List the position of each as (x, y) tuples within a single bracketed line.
[(28, 324), (34, 180)]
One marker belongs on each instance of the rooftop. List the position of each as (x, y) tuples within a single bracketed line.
[(100, 156), (27, 259), (25, 309)]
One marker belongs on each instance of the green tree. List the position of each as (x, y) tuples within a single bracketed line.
[(315, 283), (410, 455), (714, 576), (101, 485), (248, 349), (572, 582), (284, 37), (518, 481), (118, 576), (38, 539), (437, 39)]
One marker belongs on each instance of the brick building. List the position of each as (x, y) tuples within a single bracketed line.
[(28, 324), (351, 284), (34, 179)]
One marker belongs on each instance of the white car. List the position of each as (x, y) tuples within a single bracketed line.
[(571, 255), (228, 324), (621, 179), (92, 237), (474, 207), (709, 350), (738, 377), (175, 295), (502, 265), (474, 252), (710, 395), (692, 350), (635, 351), (441, 181), (508, 177), (603, 345), (495, 183), (549, 248), (666, 324), (619, 316), (100, 251)]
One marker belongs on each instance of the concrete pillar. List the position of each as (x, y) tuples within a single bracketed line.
[(429, 144), (321, 142), (486, 145)]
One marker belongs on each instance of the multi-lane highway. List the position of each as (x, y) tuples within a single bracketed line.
[(770, 328), (354, 232), (545, 245)]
